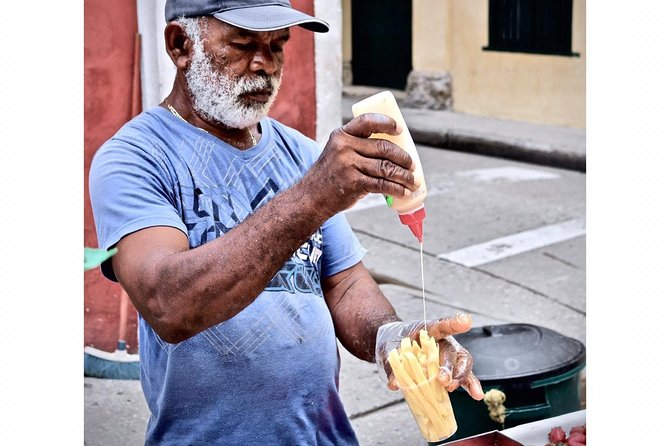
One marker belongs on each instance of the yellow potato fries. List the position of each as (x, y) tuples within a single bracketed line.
[(416, 367)]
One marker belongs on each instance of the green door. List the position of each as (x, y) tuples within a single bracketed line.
[(381, 42)]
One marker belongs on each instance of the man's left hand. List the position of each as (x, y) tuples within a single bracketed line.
[(455, 362)]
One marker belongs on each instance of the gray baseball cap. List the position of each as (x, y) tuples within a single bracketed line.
[(254, 15)]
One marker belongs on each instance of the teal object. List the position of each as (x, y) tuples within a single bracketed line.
[(93, 257), (116, 365)]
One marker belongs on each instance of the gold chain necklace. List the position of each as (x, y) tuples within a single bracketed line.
[(176, 113)]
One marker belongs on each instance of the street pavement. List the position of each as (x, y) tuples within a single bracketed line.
[(504, 241)]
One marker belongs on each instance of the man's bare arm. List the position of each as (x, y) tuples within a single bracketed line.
[(182, 291), (358, 309)]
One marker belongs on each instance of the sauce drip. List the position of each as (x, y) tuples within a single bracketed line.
[(422, 280)]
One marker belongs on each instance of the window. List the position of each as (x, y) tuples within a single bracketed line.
[(530, 26)]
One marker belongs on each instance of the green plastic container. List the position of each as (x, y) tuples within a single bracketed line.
[(536, 368)]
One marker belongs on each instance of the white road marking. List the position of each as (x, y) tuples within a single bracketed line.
[(508, 173), (511, 245)]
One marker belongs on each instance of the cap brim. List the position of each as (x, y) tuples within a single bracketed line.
[(271, 18)]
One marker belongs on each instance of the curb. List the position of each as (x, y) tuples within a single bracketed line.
[(555, 147), (502, 149)]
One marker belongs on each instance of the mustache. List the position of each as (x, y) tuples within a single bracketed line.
[(256, 83)]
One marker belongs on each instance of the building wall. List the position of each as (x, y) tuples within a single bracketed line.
[(448, 36), (430, 46), (296, 102), (109, 42), (328, 66), (346, 43), (529, 87)]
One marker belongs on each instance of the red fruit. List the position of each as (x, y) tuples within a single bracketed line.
[(576, 439), (580, 429), (557, 435)]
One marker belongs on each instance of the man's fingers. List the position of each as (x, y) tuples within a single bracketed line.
[(386, 187), (385, 167), (455, 369), (463, 362), (366, 124), (445, 376), (441, 328), (473, 387), (394, 187), (382, 149)]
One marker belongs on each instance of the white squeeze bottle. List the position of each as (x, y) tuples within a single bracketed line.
[(411, 209)]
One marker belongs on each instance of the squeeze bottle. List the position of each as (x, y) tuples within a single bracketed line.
[(411, 209)]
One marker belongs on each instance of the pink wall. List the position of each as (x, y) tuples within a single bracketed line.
[(296, 103), (109, 39)]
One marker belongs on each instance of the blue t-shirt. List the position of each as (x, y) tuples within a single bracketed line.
[(270, 374)]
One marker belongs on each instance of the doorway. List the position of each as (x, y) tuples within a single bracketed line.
[(381, 42)]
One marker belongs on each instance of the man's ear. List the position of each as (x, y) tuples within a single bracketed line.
[(178, 45)]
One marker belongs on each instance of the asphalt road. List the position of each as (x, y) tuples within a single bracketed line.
[(502, 239)]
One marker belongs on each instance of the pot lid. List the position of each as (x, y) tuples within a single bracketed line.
[(516, 351)]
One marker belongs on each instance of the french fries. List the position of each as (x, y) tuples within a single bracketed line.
[(416, 367)]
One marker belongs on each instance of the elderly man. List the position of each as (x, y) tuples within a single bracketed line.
[(232, 248)]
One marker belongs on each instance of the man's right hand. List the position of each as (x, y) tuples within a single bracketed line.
[(353, 165)]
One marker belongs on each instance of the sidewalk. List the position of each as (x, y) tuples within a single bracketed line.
[(535, 143)]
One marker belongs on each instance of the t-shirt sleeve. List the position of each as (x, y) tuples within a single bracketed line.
[(129, 190), (341, 248)]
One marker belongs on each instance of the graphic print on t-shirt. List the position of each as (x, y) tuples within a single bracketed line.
[(301, 273), (212, 208)]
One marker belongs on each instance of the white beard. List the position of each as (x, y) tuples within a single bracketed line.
[(216, 96)]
